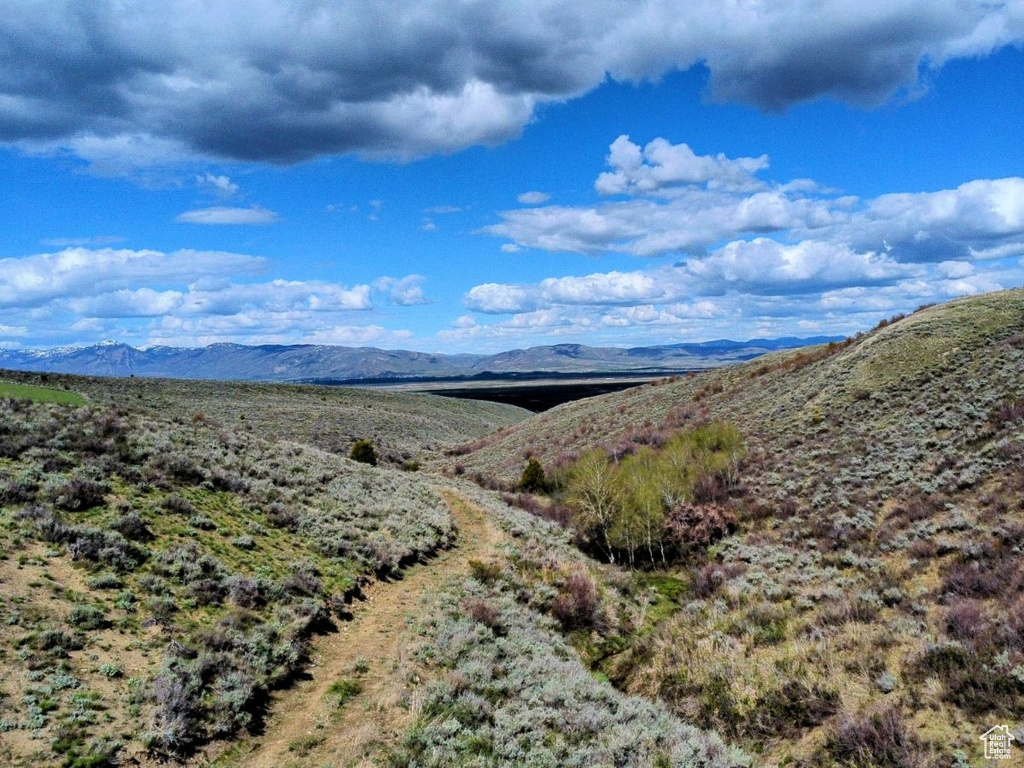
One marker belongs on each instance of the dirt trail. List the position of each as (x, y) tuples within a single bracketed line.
[(305, 726)]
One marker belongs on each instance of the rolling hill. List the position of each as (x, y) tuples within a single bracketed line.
[(405, 427), (868, 603)]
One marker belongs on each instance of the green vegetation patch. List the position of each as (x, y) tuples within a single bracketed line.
[(669, 592), (344, 690), (303, 745), (39, 394), (656, 505)]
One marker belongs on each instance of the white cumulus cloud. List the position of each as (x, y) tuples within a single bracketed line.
[(222, 184), (675, 201), (32, 280), (660, 166), (533, 198), (405, 291), (227, 215), (188, 298)]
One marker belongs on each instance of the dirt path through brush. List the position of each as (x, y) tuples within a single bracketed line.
[(305, 725)]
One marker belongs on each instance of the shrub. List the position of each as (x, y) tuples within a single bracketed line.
[(80, 494), (280, 516), (87, 617), (176, 692), (916, 507), (697, 526), (18, 492), (132, 527), (126, 601), (853, 608), (57, 641), (996, 574), (161, 610), (533, 479), (364, 452), (482, 612), (207, 591), (556, 513), (710, 488), (243, 591), (303, 745), (794, 706), (486, 573), (178, 505), (304, 579), (765, 622), (96, 753), (341, 691), (229, 703), (973, 680), (966, 621), (105, 581), (875, 739), (182, 468), (707, 580), (1008, 413), (222, 480), (577, 604), (153, 585), (104, 547), (45, 524)]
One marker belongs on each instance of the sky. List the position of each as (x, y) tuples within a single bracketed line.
[(482, 175)]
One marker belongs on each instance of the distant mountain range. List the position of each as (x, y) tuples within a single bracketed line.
[(317, 363)]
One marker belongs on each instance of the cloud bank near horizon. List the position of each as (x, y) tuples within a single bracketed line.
[(139, 82), (189, 297)]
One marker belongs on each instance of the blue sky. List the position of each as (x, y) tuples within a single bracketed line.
[(469, 176)]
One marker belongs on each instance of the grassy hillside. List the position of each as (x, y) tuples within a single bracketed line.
[(404, 426), (869, 602), (161, 575), (892, 384), (166, 566)]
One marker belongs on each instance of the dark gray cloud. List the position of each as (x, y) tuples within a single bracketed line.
[(282, 81), (863, 62)]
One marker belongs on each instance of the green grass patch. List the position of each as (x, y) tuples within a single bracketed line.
[(667, 586), (39, 394), (344, 690), (669, 593), (303, 745)]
